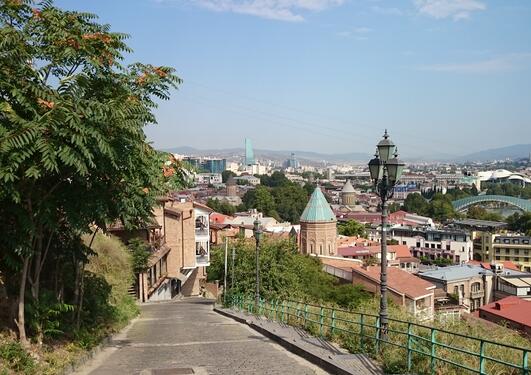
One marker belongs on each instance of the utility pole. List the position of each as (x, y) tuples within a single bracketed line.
[(225, 273), (232, 271)]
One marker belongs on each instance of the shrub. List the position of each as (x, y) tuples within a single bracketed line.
[(16, 358)]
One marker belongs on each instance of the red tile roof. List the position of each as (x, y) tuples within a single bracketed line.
[(401, 251), (486, 265), (398, 280), (510, 308), (340, 263)]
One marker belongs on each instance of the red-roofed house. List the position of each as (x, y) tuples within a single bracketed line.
[(512, 310), (416, 294), (397, 255)]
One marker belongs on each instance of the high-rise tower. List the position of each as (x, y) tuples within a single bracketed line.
[(249, 154)]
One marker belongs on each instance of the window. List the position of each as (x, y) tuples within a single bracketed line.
[(311, 248), (525, 242), (448, 247), (497, 251), (438, 246), (321, 249), (498, 258), (418, 244), (506, 241), (433, 246), (404, 243), (456, 290), (516, 259), (476, 287), (516, 241), (516, 252)]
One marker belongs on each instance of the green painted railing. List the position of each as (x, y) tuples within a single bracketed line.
[(425, 348)]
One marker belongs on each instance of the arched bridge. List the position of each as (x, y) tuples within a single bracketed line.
[(461, 204)]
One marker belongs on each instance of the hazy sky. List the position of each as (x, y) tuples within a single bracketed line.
[(444, 76)]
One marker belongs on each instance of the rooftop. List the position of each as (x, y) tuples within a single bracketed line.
[(318, 209), (398, 280), (510, 308), (348, 188)]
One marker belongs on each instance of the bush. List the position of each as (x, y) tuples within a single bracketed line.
[(16, 358)]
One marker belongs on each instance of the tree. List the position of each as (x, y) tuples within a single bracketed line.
[(415, 203), (261, 199), (290, 201), (284, 274), (276, 179), (520, 222), (226, 174), (441, 208), (477, 212), (73, 153), (221, 206), (351, 228)]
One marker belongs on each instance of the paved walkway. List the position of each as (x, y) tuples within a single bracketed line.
[(318, 350), (188, 337)]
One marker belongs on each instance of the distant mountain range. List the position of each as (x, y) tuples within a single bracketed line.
[(508, 152)]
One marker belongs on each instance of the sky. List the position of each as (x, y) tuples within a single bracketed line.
[(443, 76)]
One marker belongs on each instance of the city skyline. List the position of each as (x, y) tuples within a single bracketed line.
[(446, 76)]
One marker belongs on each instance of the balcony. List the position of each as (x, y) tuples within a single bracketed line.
[(477, 294)]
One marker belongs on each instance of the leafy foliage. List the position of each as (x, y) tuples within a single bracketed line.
[(476, 212), (73, 153), (221, 206), (351, 228), (508, 188), (283, 273), (279, 197), (139, 254), (16, 358), (520, 222)]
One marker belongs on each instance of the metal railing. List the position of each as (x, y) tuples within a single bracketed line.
[(417, 347)]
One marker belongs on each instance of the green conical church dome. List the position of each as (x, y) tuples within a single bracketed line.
[(318, 209)]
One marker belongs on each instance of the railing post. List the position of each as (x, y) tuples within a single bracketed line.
[(321, 318), (433, 347), (409, 347), (276, 310), (482, 357), (377, 336), (282, 311), (525, 364), (333, 321), (362, 333), (297, 313), (305, 314)]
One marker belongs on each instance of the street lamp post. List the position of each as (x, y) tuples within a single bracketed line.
[(257, 231), (385, 172)]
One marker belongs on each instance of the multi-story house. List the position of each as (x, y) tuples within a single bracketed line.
[(452, 244), (493, 248), (470, 285), (179, 241)]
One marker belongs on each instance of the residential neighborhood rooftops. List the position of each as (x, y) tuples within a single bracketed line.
[(463, 271), (510, 308), (398, 280), (459, 272)]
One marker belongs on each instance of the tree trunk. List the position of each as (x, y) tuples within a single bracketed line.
[(81, 294), (20, 321)]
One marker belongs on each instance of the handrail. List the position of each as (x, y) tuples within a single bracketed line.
[(328, 321)]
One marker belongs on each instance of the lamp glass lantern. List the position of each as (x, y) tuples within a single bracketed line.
[(394, 168), (256, 229), (376, 168), (386, 148)]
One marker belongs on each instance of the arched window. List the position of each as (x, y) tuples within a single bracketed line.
[(321, 249)]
